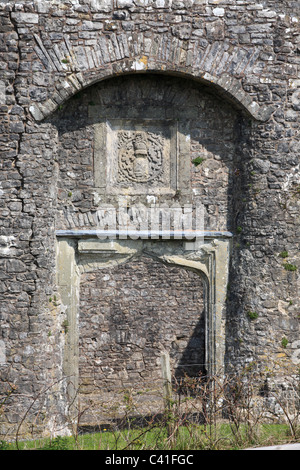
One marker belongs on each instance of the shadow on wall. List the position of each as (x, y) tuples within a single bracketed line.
[(192, 360)]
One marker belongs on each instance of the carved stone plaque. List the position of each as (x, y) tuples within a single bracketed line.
[(140, 156), (136, 157)]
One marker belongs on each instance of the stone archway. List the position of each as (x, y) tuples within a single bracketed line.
[(116, 116), (119, 54)]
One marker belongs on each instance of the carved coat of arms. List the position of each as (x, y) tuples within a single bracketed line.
[(140, 156)]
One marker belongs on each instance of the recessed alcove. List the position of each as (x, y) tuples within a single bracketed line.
[(143, 142), (176, 120)]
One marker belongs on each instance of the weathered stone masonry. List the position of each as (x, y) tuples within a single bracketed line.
[(227, 73)]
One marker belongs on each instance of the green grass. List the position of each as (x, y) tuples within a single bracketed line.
[(290, 267), (197, 161), (191, 437)]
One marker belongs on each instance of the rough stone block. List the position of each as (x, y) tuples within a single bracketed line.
[(26, 18)]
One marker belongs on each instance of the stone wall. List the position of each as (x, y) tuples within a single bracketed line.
[(129, 316), (230, 69), (132, 313)]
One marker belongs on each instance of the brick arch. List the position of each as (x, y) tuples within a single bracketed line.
[(118, 54)]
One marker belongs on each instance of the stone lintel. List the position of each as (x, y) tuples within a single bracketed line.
[(136, 234)]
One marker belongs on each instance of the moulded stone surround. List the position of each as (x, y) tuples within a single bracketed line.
[(114, 157), (209, 259)]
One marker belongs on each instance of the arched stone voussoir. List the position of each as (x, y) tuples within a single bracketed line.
[(226, 85), (231, 88)]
